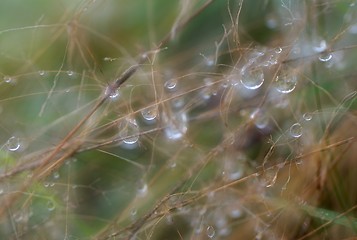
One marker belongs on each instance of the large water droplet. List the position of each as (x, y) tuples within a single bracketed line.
[(13, 144), (129, 131), (41, 72), (296, 130), (149, 113), (252, 78), (285, 81), (210, 232), (175, 125)]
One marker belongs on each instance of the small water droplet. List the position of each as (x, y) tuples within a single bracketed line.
[(176, 125), (170, 84), (236, 213), (320, 46), (41, 73), (325, 57), (260, 119), (9, 79), (129, 131), (50, 205), (13, 144), (113, 93), (56, 175), (210, 232), (296, 130), (278, 50), (70, 73), (307, 116), (252, 78), (150, 113), (285, 81), (142, 189)]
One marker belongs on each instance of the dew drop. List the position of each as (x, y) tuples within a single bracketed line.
[(70, 73), (307, 116), (296, 130), (56, 175), (210, 231), (260, 119), (236, 213), (176, 125), (142, 189), (114, 94), (325, 57), (170, 84), (129, 131), (285, 81), (150, 113), (320, 46), (13, 144), (8, 79), (133, 212), (41, 73), (50, 205), (278, 50), (252, 78)]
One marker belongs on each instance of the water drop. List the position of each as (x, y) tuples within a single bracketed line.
[(133, 212), (296, 130), (353, 29), (260, 119), (170, 84), (176, 125), (210, 231), (325, 57), (150, 113), (50, 205), (320, 46), (13, 144), (307, 116), (70, 73), (142, 189), (56, 175), (285, 81), (278, 50), (129, 131), (8, 79), (41, 73), (236, 213), (114, 94), (252, 78)]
